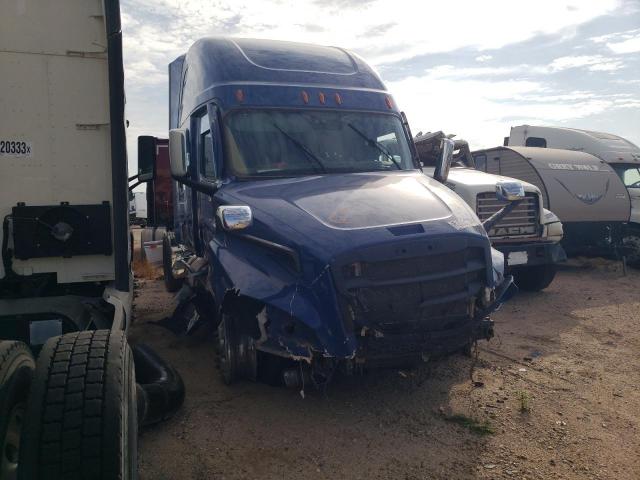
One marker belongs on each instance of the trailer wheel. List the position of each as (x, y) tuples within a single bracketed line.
[(171, 283), (81, 419), (631, 248), (536, 278), (16, 369)]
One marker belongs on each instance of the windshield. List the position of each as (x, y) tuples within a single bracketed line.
[(630, 175), (275, 143)]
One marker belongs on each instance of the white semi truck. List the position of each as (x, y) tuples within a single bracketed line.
[(529, 235), (65, 276), (613, 154)]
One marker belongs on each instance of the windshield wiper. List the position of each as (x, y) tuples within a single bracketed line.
[(373, 143), (302, 147)]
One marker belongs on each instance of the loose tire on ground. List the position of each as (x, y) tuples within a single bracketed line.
[(16, 369), (171, 283), (536, 278), (81, 418)]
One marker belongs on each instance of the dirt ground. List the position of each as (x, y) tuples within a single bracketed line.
[(554, 395)]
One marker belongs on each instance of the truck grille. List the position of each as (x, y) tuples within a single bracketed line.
[(417, 293), (522, 222)]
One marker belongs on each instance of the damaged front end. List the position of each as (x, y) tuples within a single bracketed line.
[(387, 305), (419, 300)]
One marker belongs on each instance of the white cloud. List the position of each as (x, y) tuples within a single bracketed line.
[(483, 58), (631, 45), (482, 110), (594, 63), (621, 42), (479, 102), (383, 31)]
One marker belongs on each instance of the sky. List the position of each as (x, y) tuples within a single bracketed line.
[(468, 67)]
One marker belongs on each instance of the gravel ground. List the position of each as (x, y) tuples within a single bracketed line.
[(553, 395)]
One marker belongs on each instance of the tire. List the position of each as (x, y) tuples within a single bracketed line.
[(171, 283), (631, 248), (237, 353), (227, 346), (161, 384), (16, 369), (536, 278), (82, 413)]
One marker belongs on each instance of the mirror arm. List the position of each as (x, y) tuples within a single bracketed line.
[(490, 222), (201, 187), (131, 187), (133, 177)]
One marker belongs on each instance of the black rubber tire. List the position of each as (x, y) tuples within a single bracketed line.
[(171, 284), (227, 345), (16, 370), (161, 384), (536, 278), (82, 413), (631, 248)]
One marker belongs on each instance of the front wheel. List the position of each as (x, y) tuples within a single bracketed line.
[(237, 354), (535, 278)]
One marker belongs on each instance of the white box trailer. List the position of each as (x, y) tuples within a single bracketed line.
[(63, 163), (138, 208), (65, 278)]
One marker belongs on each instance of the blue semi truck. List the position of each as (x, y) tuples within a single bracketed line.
[(304, 227)]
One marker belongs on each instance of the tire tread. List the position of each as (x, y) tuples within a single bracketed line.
[(75, 410)]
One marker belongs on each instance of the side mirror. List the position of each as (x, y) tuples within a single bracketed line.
[(146, 158), (178, 152), (234, 217), (447, 146), (510, 191)]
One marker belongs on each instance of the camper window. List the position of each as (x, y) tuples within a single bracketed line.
[(630, 175), (481, 162), (536, 142)]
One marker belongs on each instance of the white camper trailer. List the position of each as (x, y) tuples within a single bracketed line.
[(582, 190), (619, 153)]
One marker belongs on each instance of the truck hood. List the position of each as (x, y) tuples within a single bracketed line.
[(339, 212), (468, 183), (482, 181)]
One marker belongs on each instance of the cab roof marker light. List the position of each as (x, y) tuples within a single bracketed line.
[(321, 97), (388, 102), (338, 99), (305, 97), (239, 95)]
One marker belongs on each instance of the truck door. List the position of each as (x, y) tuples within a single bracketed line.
[(207, 149)]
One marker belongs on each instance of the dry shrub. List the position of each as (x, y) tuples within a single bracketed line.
[(142, 269)]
